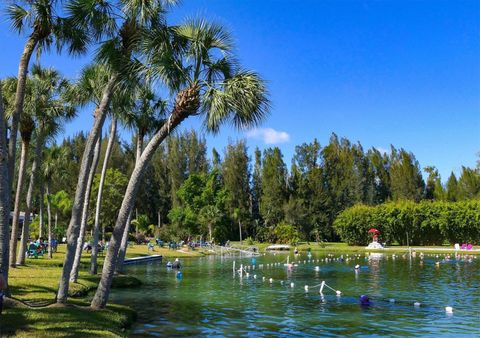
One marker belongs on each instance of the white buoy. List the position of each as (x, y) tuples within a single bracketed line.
[(271, 280), (247, 274), (338, 292), (321, 286), (357, 267), (254, 276), (292, 284), (317, 268), (449, 309), (263, 279), (306, 288), (416, 304), (391, 300), (281, 282)]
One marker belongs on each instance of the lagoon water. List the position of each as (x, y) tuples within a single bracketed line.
[(211, 301)]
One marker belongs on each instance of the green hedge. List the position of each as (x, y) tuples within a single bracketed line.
[(425, 223)]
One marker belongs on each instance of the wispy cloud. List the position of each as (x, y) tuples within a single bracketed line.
[(269, 135)]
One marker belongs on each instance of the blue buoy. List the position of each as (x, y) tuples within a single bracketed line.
[(254, 261)]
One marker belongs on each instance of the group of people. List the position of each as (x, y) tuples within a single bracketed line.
[(88, 246), (41, 245)]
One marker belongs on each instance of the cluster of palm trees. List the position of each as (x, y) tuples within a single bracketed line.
[(138, 54)]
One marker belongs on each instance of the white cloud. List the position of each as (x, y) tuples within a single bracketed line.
[(269, 135)]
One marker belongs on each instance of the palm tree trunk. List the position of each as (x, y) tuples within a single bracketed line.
[(123, 246), (124, 243), (101, 296), (33, 176), (86, 205), (98, 207), (49, 220), (5, 192), (16, 210), (19, 98), (41, 224), (74, 226)]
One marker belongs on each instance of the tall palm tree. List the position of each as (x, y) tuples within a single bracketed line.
[(4, 193), (204, 83), (53, 158), (118, 53), (26, 129), (86, 205), (39, 19), (49, 112), (96, 227), (146, 116)]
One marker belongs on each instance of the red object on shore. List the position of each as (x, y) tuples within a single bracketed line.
[(373, 231)]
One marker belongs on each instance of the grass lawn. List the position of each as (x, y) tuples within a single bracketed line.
[(328, 247), (36, 285)]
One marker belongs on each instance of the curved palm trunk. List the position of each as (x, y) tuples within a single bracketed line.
[(98, 207), (123, 246), (19, 98), (74, 226), (16, 210), (4, 194), (49, 220), (178, 115), (33, 176), (124, 243), (86, 205)]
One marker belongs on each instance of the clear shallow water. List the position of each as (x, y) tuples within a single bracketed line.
[(210, 301)]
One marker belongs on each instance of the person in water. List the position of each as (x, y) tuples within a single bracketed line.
[(176, 264), (364, 300)]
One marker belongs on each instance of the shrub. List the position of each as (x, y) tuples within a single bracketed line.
[(424, 223)]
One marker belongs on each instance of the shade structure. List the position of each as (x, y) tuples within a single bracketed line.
[(373, 231)]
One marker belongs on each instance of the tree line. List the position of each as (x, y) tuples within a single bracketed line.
[(191, 193)]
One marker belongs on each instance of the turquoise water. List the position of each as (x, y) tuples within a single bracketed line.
[(211, 301)]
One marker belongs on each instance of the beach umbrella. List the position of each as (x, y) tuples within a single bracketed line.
[(373, 231)]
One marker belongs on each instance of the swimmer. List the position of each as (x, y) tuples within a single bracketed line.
[(364, 300)]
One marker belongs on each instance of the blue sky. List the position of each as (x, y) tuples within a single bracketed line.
[(405, 73)]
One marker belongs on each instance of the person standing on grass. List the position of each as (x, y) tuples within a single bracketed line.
[(3, 286)]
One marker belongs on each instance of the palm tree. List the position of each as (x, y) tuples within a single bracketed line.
[(53, 159), (205, 84), (118, 53), (48, 111), (144, 118), (4, 193), (86, 205), (98, 207), (27, 127), (44, 26)]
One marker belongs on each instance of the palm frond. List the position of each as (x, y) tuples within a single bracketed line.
[(18, 17)]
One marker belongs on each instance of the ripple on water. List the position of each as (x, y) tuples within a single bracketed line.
[(210, 302)]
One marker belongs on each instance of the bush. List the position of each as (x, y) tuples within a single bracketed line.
[(286, 234), (425, 223)]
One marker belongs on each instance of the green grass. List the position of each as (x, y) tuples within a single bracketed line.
[(35, 285), (329, 247)]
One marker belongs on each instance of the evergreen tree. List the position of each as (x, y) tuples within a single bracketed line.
[(274, 187), (452, 188), (236, 178), (405, 176)]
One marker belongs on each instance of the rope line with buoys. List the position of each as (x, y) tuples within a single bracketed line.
[(364, 300)]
